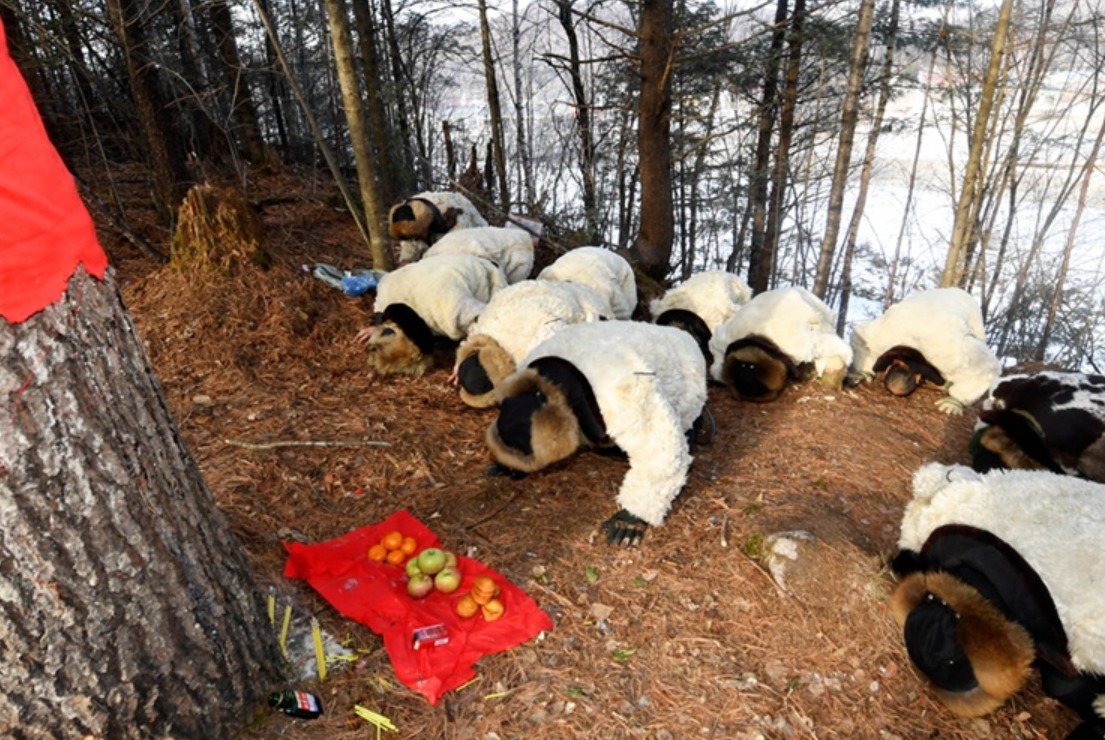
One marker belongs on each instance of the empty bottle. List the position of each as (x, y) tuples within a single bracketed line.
[(296, 704)]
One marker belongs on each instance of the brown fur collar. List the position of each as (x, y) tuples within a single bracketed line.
[(1000, 651), (757, 370), (493, 361), (536, 425)]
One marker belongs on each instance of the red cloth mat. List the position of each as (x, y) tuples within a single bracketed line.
[(375, 594)]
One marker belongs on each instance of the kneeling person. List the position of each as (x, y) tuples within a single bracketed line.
[(636, 386)]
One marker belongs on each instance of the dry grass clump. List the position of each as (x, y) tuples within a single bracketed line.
[(688, 636)]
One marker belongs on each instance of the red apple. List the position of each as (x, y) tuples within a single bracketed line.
[(419, 586), (447, 580)]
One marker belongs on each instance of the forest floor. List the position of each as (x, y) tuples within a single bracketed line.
[(687, 636)]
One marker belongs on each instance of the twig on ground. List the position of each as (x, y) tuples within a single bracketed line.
[(307, 443)]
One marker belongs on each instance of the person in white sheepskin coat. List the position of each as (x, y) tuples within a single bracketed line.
[(508, 247), (636, 386), (422, 219), (700, 304), (516, 320), (603, 270), (437, 297), (934, 335), (779, 336), (1048, 420), (1001, 573)]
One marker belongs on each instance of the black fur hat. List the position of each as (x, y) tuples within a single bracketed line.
[(972, 654), (691, 323), (757, 370)]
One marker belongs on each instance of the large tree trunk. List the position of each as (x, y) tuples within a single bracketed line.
[(377, 114), (247, 128), (166, 151), (374, 213), (654, 240), (128, 608)]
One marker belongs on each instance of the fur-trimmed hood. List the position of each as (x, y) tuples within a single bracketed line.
[(944, 325), (973, 655), (1055, 523), (794, 320), (605, 271), (649, 384)]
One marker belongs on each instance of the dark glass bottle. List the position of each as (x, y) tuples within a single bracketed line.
[(296, 703)]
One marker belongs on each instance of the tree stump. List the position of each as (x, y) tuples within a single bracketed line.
[(217, 229)]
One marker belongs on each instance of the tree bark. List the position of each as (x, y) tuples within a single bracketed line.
[(377, 113), (495, 110), (759, 261), (128, 608), (654, 240), (166, 151), (848, 117), (963, 228), (852, 235), (354, 115), (242, 109), (583, 123)]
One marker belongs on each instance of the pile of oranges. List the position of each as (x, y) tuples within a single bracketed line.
[(393, 549), (482, 598)]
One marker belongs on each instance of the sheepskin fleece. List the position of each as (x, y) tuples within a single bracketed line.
[(525, 314), (796, 320), (650, 385), (448, 291), (1055, 522), (714, 296), (943, 324), (510, 248), (467, 215), (602, 269)]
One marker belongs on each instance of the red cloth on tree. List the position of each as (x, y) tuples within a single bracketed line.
[(375, 594), (45, 229)]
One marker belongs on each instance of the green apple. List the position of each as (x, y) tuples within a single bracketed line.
[(419, 586), (447, 580), (412, 567), (450, 559), (431, 560)]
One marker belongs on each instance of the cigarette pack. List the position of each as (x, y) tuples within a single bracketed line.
[(431, 636)]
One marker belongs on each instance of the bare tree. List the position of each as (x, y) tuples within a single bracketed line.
[(495, 111), (848, 117), (654, 240)]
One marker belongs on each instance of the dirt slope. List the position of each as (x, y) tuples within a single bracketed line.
[(688, 636)]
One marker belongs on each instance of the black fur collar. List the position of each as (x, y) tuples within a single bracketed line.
[(577, 390)]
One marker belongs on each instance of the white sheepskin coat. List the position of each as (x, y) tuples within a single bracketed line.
[(510, 248), (944, 325), (714, 296), (525, 314), (448, 291), (1055, 522), (797, 321), (602, 269), (650, 385), (468, 217)]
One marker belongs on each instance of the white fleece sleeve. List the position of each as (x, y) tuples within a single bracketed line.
[(659, 458)]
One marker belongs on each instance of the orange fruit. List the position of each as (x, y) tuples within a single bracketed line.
[(486, 585), (408, 545), (395, 557), (377, 553), (467, 606), (480, 597), (392, 540), (493, 609)]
